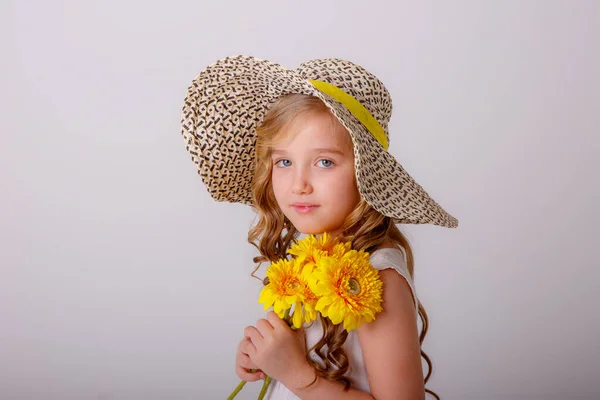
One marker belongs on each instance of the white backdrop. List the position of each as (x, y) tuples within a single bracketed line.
[(120, 277)]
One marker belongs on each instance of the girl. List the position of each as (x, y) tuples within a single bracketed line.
[(307, 148)]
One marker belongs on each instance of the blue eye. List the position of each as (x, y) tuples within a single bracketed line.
[(326, 163), (283, 163)]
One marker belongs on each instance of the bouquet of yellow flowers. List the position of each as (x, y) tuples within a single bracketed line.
[(323, 275)]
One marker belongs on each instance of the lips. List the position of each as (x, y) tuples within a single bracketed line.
[(304, 208)]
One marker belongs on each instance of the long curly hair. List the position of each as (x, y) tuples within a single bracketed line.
[(365, 228)]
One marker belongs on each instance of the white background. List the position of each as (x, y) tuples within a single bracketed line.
[(120, 277)]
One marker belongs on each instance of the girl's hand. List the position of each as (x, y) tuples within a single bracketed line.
[(279, 351), (243, 363)]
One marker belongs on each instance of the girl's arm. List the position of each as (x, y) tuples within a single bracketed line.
[(391, 351)]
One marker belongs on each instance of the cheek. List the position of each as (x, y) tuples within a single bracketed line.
[(351, 190), (345, 186), (277, 182)]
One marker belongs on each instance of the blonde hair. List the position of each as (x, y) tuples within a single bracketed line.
[(365, 228)]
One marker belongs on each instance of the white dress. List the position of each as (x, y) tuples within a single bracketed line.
[(380, 259)]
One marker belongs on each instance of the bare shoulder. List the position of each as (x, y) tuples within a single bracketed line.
[(390, 344)]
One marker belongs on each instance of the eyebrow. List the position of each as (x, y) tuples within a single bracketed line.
[(317, 150)]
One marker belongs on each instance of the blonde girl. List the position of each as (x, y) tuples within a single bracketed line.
[(308, 150)]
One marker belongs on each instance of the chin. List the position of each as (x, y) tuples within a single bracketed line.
[(312, 229)]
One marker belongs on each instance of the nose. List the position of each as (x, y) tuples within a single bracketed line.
[(301, 182)]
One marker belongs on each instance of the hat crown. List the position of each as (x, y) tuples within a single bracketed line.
[(354, 80)]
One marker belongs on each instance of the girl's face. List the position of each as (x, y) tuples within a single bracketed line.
[(313, 173)]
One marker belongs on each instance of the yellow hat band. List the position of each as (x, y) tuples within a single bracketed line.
[(356, 108)]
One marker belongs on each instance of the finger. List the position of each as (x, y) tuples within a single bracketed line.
[(247, 347), (248, 376), (253, 334), (264, 327), (275, 321), (246, 362)]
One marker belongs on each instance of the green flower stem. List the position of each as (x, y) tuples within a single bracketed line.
[(286, 316), (237, 390), (265, 386)]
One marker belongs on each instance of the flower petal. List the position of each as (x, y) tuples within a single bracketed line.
[(297, 317)]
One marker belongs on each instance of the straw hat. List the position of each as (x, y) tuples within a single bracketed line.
[(228, 100)]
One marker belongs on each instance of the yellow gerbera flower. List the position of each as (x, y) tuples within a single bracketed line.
[(349, 289), (311, 249), (287, 287)]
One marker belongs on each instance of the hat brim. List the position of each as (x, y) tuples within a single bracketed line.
[(227, 101)]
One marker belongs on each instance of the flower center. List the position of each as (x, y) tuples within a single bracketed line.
[(353, 286)]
